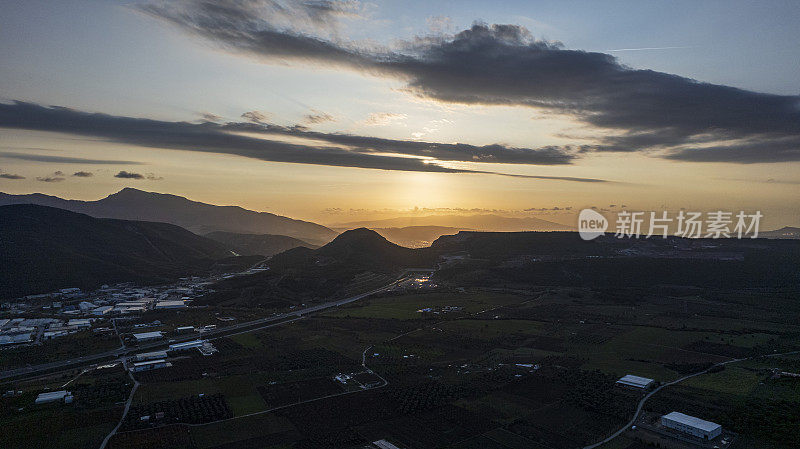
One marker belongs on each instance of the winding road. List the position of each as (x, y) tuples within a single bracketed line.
[(649, 395)]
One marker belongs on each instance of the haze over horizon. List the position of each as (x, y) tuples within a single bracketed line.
[(345, 111)]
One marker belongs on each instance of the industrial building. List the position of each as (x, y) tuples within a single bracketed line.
[(54, 396), (102, 310), (148, 365), (150, 356), (147, 336), (10, 339), (170, 305), (632, 381), (186, 345), (383, 444), (696, 427)]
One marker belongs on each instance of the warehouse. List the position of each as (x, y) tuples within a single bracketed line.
[(170, 305), (150, 356), (147, 336), (186, 345), (54, 396), (695, 427), (150, 364), (632, 381)]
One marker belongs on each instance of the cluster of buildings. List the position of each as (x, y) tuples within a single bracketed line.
[(147, 361), (119, 299), (30, 330), (676, 424), (440, 310)]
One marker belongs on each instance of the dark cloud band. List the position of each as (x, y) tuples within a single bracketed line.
[(642, 110), (362, 152)]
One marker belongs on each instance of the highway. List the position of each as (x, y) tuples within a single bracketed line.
[(248, 326)]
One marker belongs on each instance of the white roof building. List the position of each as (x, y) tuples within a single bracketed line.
[(15, 338), (86, 305), (691, 425), (170, 305), (145, 336), (635, 381), (102, 310), (150, 356), (186, 345), (383, 444), (53, 396), (150, 364), (80, 322)]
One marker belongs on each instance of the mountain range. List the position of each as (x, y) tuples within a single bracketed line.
[(200, 218), (43, 249)]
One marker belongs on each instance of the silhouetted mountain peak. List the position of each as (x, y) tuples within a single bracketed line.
[(134, 204), (359, 235)]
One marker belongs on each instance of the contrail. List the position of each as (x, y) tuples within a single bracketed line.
[(647, 48)]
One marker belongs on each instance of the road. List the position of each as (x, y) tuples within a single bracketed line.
[(212, 334), (125, 411), (649, 395)]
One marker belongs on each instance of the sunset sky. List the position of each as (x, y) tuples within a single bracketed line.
[(344, 110)]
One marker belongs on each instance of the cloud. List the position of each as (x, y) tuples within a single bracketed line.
[(255, 116), (209, 117), (63, 159), (317, 117), (384, 118), (343, 150), (10, 176), (83, 174), (636, 110), (129, 175), (153, 177), (49, 178)]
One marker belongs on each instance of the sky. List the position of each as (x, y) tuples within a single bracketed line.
[(338, 111)]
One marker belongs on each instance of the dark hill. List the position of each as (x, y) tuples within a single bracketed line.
[(359, 249), (261, 244), (786, 232), (43, 249), (202, 218), (354, 262)]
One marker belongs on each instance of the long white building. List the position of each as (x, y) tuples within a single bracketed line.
[(635, 382), (695, 427)]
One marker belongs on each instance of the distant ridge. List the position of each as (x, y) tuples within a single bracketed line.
[(486, 222), (201, 218), (257, 244), (786, 232), (43, 249)]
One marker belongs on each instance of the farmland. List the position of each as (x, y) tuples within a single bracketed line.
[(479, 368)]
